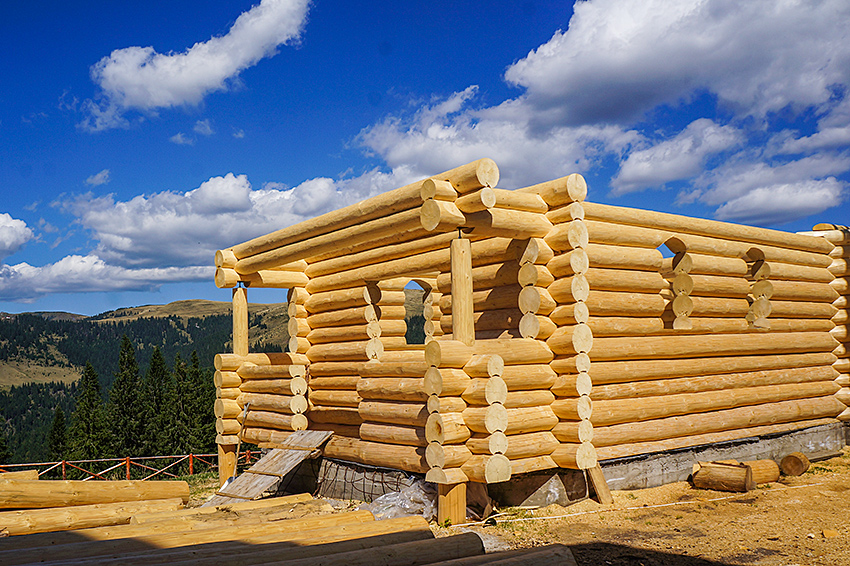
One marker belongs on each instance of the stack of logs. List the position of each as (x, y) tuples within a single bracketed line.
[(729, 337), (658, 387), (572, 340), (839, 236)]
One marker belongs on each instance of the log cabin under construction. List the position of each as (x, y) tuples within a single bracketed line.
[(559, 332)]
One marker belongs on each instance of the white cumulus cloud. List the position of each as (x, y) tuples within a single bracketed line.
[(181, 139), (14, 234), (88, 274), (775, 204), (180, 229), (203, 127), (140, 78), (681, 157)]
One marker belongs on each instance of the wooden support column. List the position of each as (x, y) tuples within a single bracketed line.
[(463, 317), (226, 462), (451, 504), (227, 452), (240, 321)]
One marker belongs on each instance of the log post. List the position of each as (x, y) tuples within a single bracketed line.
[(463, 321), (240, 321)]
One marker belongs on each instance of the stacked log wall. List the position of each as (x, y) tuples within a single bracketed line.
[(729, 335), (839, 236)]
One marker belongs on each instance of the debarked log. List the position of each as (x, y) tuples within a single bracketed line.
[(718, 421), (617, 411), (660, 347)]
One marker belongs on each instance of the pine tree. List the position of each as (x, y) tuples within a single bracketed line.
[(58, 435), (155, 398), (178, 414), (202, 407), (125, 404), (88, 435)]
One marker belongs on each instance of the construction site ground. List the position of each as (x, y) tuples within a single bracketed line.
[(802, 521)]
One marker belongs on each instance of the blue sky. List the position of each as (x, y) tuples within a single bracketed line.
[(138, 138)]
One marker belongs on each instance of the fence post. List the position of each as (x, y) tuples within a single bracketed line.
[(63, 469), (128, 467), (191, 465)]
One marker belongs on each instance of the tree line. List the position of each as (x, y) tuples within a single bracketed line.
[(163, 412)]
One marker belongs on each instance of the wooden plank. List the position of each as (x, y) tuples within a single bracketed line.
[(267, 473), (600, 486)]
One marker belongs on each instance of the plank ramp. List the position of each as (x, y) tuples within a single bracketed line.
[(268, 472)]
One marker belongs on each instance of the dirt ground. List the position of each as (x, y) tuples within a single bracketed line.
[(802, 521)]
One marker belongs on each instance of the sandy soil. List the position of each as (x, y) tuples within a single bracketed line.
[(798, 521)]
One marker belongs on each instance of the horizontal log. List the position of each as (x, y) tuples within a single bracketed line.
[(336, 300), (392, 389), (631, 281), (623, 257), (269, 419), (265, 279), (487, 419), (631, 449), (507, 223), (291, 404), (231, 362), (39, 494), (841, 285), (363, 231), (440, 216), (393, 434), (534, 275), (571, 340), (54, 519), (654, 347), (568, 236), (532, 464), (358, 332), (445, 381), (487, 299), (723, 477), (528, 377), (573, 432), (382, 250), (573, 409), (571, 363), (334, 398), (448, 353), (391, 202), (486, 391), (485, 277), (346, 351), (437, 404), (487, 365), (376, 368), (487, 469), (408, 458), (569, 263), (348, 317), (558, 192), (717, 265), (617, 411), (226, 393), (700, 226), (488, 198), (572, 385), (575, 456), (635, 389), (408, 414), (293, 386), (566, 213), (516, 351), (515, 446), (833, 233), (638, 370), (19, 475), (250, 371), (447, 477), (446, 428), (720, 286), (790, 272), (226, 408), (523, 420), (611, 303), (335, 382), (570, 290), (803, 291), (717, 421), (448, 456), (227, 426)]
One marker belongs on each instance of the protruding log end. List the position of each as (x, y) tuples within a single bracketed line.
[(225, 258), (794, 464)]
